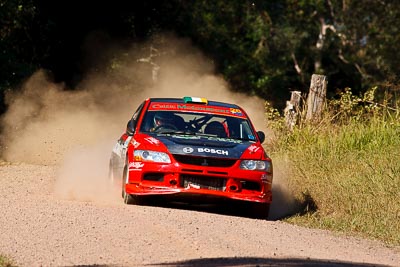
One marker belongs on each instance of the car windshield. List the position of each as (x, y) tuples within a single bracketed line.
[(171, 122)]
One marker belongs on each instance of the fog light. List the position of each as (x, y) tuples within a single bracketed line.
[(233, 186)]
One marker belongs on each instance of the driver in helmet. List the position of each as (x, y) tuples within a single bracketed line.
[(163, 119)]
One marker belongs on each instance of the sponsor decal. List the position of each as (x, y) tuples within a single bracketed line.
[(189, 186), (253, 148), (212, 138), (188, 150), (199, 108), (136, 165), (202, 108), (188, 137), (162, 106), (236, 111), (135, 143), (213, 151), (152, 140)]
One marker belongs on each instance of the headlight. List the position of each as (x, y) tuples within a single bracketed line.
[(256, 165), (154, 156)]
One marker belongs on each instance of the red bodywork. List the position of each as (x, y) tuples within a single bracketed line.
[(173, 171), (183, 178)]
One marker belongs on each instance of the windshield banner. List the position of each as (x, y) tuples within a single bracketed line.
[(234, 112)]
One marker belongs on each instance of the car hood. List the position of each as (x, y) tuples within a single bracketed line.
[(206, 146)]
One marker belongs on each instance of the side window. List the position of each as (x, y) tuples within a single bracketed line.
[(240, 129), (137, 112), (130, 127), (246, 131)]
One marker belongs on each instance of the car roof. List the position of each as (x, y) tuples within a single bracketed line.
[(181, 101)]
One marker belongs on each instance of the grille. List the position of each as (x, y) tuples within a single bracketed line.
[(251, 185), (204, 161), (157, 177), (203, 182)]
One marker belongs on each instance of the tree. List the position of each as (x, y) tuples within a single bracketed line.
[(236, 35), (269, 48), (266, 48), (16, 56)]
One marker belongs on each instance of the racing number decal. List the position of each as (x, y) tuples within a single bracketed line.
[(125, 146), (121, 146), (117, 149)]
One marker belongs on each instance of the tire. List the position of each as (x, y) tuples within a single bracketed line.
[(128, 199)]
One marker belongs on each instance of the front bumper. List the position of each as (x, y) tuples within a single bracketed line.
[(210, 182)]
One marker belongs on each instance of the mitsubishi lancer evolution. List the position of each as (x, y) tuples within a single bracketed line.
[(193, 148)]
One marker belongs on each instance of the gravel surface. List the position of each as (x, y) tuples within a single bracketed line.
[(39, 226)]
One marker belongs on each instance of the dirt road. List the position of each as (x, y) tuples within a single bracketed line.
[(40, 227)]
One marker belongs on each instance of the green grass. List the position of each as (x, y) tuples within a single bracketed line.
[(6, 262), (347, 175)]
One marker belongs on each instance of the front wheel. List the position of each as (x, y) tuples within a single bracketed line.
[(128, 198)]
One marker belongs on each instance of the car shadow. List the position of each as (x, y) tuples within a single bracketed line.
[(250, 261), (254, 261), (283, 205), (222, 207)]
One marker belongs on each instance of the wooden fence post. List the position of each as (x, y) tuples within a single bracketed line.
[(316, 97), (292, 109)]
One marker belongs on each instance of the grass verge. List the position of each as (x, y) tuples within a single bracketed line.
[(347, 175)]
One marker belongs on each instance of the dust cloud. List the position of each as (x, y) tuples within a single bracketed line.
[(49, 125), (284, 203)]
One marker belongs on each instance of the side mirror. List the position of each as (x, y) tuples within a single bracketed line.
[(130, 127), (261, 136)]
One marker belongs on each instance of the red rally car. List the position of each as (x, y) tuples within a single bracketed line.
[(193, 148)]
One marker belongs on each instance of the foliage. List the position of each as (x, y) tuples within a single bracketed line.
[(234, 33), (264, 48), (348, 167), (269, 48), (15, 42), (5, 262)]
